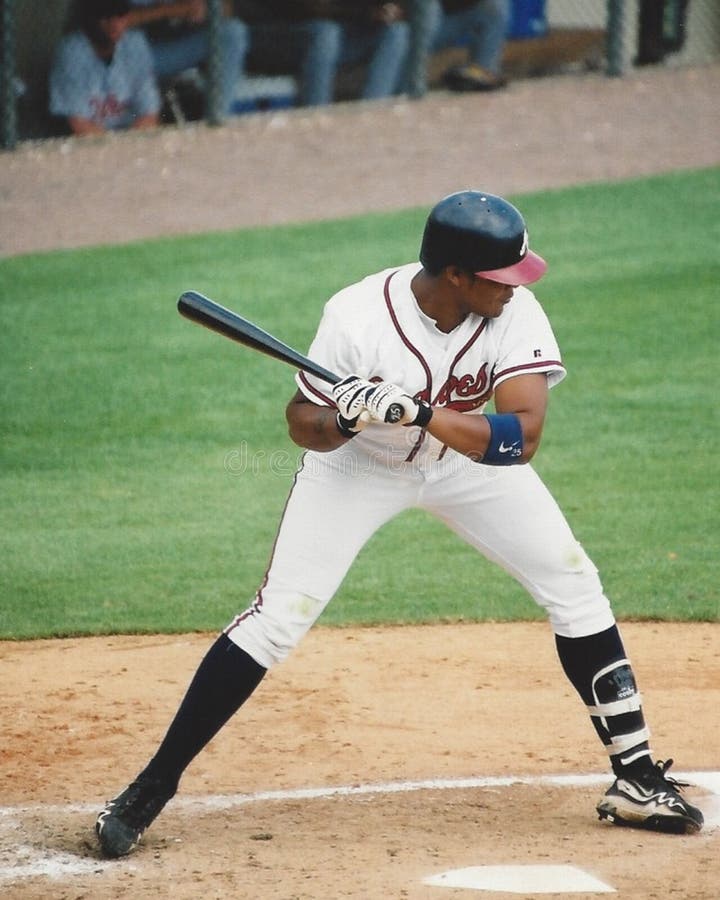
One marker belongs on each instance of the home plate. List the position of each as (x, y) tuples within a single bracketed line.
[(522, 880)]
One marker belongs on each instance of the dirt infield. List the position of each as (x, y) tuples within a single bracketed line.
[(385, 713), (349, 708), (354, 158)]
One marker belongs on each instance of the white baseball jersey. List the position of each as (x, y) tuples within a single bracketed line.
[(376, 329), (112, 94), (339, 499)]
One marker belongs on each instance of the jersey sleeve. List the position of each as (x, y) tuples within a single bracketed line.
[(333, 348), (346, 341), (526, 343)]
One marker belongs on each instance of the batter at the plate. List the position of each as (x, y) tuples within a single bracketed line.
[(430, 342)]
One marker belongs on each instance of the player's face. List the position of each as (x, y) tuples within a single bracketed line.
[(486, 298)]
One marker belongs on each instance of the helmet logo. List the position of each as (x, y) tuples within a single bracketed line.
[(524, 248)]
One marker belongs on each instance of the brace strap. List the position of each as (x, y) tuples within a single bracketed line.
[(617, 707)]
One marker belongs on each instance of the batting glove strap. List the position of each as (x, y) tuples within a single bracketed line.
[(424, 414), (349, 427)]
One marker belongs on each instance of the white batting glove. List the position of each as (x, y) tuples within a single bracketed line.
[(389, 403), (349, 396)]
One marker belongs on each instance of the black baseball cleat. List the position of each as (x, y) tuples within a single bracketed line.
[(652, 801), (121, 824)]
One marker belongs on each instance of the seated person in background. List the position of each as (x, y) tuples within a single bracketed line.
[(179, 39), (482, 25), (316, 37), (102, 74)]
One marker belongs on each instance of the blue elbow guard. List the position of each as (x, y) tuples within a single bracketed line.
[(506, 440)]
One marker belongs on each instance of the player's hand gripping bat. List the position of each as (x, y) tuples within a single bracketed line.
[(207, 312)]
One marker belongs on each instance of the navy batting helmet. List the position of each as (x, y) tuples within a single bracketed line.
[(480, 233)]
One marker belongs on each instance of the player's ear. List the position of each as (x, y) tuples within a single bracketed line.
[(456, 276)]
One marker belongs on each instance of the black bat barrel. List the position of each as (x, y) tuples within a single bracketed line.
[(212, 315)]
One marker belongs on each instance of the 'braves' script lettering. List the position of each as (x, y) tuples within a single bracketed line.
[(463, 392)]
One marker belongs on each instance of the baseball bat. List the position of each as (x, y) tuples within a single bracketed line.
[(212, 315)]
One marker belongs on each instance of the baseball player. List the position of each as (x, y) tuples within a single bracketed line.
[(423, 348)]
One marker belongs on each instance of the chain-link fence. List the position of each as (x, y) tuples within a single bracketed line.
[(551, 37)]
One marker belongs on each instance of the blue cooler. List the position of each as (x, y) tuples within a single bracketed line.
[(265, 93), (527, 19)]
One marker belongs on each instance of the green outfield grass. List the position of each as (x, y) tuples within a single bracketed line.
[(145, 462)]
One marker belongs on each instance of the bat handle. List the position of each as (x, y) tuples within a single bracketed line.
[(395, 412)]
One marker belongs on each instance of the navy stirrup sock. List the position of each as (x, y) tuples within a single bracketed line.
[(224, 680)]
